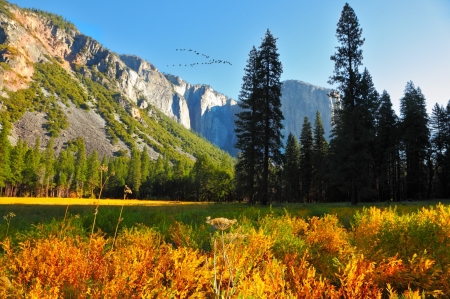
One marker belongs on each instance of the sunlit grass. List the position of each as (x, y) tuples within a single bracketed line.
[(89, 201)]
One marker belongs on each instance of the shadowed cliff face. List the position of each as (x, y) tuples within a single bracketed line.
[(30, 38), (211, 114), (300, 99)]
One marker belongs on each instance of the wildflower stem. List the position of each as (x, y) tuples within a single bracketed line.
[(93, 223), (63, 224), (117, 227), (215, 271)]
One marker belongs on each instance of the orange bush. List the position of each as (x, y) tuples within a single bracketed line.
[(281, 257)]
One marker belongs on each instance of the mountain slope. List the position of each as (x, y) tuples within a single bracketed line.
[(84, 89), (58, 83)]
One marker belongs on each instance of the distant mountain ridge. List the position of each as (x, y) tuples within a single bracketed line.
[(28, 37)]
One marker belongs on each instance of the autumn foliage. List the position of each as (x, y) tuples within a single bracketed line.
[(383, 255)]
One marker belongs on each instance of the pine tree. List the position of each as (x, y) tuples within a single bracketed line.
[(348, 144), (17, 166), (40, 168), (65, 173), (440, 137), (386, 150), (320, 152), (5, 151), (292, 169), (134, 173), (415, 137), (93, 175), (247, 131), (145, 165), (258, 127), (270, 117), (367, 111), (49, 162), (306, 156), (81, 167), (32, 166), (202, 173)]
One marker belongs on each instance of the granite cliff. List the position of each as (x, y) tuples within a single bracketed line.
[(300, 99)]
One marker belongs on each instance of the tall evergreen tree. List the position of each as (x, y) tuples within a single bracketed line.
[(49, 162), (145, 165), (367, 111), (440, 142), (81, 167), (93, 174), (415, 137), (65, 172), (306, 156), (386, 150), (247, 130), (258, 127), (18, 166), (269, 119), (134, 172), (292, 169), (202, 174), (320, 152), (32, 164), (348, 144), (5, 151)]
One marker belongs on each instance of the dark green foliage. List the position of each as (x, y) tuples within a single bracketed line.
[(65, 171), (56, 80), (291, 169), (306, 158), (23, 100), (440, 143), (5, 152), (56, 121), (268, 98), (249, 142), (386, 150), (351, 139), (93, 173), (259, 125), (415, 139), (319, 158), (348, 57), (134, 178)]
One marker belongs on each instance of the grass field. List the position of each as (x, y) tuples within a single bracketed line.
[(166, 249), (87, 202), (161, 214)]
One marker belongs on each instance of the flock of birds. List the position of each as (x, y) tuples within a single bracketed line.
[(211, 61)]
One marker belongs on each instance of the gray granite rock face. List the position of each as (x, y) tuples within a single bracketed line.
[(300, 99), (211, 113)]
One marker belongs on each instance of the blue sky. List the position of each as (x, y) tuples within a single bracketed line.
[(405, 39)]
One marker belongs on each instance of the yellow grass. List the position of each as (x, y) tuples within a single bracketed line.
[(87, 202)]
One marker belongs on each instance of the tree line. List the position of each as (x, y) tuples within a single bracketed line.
[(28, 171), (373, 154)]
